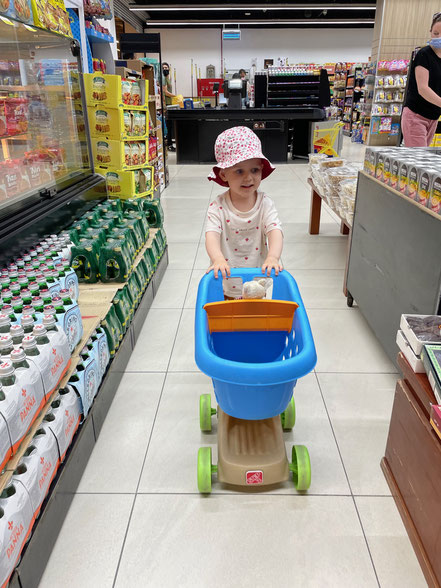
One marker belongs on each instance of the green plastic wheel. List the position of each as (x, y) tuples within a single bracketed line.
[(205, 412), (288, 416), (301, 467), (204, 470)]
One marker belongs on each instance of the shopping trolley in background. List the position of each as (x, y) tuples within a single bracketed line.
[(327, 138), (254, 351)]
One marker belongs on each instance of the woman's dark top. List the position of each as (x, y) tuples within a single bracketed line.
[(427, 58)]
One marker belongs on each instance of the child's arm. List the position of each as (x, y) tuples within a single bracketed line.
[(275, 246), (218, 262)]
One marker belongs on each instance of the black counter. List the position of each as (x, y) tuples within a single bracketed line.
[(279, 129)]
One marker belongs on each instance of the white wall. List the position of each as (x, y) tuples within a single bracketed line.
[(299, 45)]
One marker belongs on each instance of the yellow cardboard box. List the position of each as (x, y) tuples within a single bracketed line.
[(119, 155), (114, 92), (130, 184), (117, 123)]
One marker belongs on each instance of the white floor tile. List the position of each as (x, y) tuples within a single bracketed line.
[(180, 406), (360, 406), (182, 359), (394, 558), (173, 289), (154, 346), (196, 276), (320, 288), (88, 547), (316, 253), (182, 232), (116, 461), (245, 541), (181, 255), (345, 343)]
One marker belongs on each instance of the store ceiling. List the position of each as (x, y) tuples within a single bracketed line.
[(248, 14)]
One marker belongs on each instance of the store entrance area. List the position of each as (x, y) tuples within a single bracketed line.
[(137, 518)]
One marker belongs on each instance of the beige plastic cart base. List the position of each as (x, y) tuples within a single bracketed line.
[(251, 453)]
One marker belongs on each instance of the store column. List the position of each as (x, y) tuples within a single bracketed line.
[(400, 26)]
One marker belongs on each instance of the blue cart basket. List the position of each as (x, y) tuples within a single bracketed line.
[(253, 372)]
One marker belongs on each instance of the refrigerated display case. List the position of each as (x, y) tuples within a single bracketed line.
[(44, 147)]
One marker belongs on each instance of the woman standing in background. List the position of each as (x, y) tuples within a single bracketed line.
[(422, 108)]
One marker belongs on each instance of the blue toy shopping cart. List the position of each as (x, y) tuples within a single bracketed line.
[(254, 351)]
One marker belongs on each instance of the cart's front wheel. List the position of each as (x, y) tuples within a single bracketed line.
[(288, 416), (204, 470), (205, 412), (301, 467)]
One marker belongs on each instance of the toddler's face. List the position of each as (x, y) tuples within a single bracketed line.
[(243, 178)]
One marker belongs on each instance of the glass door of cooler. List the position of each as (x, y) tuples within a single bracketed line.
[(44, 146)]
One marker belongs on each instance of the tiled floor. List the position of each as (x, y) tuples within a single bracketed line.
[(138, 519)]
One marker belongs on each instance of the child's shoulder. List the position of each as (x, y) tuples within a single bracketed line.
[(219, 199)]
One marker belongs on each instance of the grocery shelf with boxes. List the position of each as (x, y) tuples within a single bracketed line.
[(383, 119)]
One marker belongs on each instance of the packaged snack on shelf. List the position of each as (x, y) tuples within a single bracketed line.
[(337, 175), (139, 123), (434, 201), (118, 155), (412, 186), (425, 182), (387, 167), (128, 122), (332, 162), (135, 93), (51, 15), (126, 91), (420, 330), (394, 172), (349, 188)]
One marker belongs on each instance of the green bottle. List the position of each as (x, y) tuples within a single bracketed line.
[(42, 284), (18, 358), (58, 305), (17, 333), (6, 296), (6, 344), (46, 296), (7, 374), (37, 303), (5, 282), (29, 345), (65, 296), (34, 289), (5, 324), (40, 335), (26, 296), (17, 304), (15, 289), (27, 322), (13, 275), (23, 281)]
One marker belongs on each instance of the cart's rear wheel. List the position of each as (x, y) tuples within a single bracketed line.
[(205, 412), (204, 470), (288, 416), (301, 467)]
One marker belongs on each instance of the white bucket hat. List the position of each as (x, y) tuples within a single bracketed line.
[(235, 145)]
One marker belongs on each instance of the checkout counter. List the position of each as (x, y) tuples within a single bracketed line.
[(287, 105)]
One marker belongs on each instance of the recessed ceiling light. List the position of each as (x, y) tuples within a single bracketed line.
[(247, 13)]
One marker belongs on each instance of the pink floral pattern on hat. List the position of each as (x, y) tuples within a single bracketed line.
[(235, 145)]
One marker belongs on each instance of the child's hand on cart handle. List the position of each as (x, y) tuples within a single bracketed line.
[(271, 263), (220, 265)]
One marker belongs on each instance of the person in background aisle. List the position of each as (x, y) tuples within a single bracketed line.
[(422, 107), (243, 77), (243, 228), (168, 95)]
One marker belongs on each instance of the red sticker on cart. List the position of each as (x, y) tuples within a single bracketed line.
[(255, 477)]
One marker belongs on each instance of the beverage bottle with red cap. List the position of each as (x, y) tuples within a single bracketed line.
[(55, 347), (64, 418), (27, 322), (6, 345), (28, 377), (38, 466), (17, 333)]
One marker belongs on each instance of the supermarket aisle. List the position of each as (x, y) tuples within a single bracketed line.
[(138, 520)]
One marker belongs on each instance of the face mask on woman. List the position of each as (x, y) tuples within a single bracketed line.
[(435, 42), (165, 72)]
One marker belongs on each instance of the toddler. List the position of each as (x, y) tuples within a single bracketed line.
[(243, 228)]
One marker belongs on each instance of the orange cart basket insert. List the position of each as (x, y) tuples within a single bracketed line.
[(250, 315)]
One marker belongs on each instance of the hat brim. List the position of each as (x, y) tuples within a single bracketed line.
[(267, 169)]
